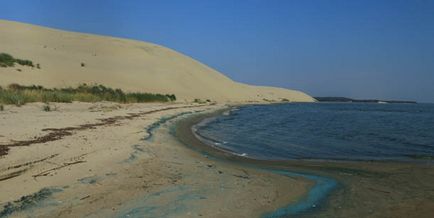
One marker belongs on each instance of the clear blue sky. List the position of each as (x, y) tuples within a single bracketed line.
[(353, 48)]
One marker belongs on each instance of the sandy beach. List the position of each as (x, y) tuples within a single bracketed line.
[(142, 160), (117, 160), (100, 153), (110, 160)]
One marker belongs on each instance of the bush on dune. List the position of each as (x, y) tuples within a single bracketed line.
[(19, 95), (7, 60)]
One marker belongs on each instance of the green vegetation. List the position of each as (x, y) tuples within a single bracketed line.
[(7, 60), (46, 108), (19, 95), (200, 101)]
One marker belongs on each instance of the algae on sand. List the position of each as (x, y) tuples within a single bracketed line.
[(28, 201)]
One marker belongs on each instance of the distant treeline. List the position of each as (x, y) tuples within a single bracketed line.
[(343, 99), (19, 95)]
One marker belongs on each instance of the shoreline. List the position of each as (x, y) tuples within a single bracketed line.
[(129, 167), (140, 167), (323, 186), (334, 169)]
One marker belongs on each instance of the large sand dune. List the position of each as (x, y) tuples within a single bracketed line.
[(120, 63)]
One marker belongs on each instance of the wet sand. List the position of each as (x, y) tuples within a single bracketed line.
[(363, 188)]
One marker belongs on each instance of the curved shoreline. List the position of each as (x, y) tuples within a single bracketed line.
[(112, 170), (363, 189), (313, 198)]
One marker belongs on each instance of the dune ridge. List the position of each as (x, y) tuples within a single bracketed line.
[(71, 58)]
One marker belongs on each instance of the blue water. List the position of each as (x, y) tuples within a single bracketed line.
[(325, 131)]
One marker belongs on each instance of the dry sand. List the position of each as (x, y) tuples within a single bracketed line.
[(103, 167), (120, 63)]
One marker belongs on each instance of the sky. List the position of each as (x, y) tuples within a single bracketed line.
[(354, 48)]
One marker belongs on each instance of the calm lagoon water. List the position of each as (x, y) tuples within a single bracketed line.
[(337, 131)]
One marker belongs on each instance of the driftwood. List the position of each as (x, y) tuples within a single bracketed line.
[(12, 175), (46, 172)]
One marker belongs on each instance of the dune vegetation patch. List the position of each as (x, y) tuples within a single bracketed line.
[(7, 60), (19, 95)]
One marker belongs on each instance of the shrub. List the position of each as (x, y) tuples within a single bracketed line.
[(24, 62), (46, 108), (147, 97), (200, 101), (55, 96), (14, 86), (13, 98), (19, 94), (171, 97), (7, 60), (2, 108)]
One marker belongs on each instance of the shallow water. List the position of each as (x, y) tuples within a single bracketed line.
[(323, 186), (325, 131)]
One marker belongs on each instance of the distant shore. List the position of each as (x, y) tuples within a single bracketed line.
[(344, 99)]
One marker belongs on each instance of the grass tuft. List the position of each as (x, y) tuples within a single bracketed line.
[(18, 95), (46, 108)]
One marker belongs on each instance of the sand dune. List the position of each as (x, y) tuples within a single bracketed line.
[(120, 63)]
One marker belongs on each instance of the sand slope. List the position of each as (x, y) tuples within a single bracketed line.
[(119, 63)]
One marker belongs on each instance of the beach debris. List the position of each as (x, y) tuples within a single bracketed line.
[(47, 172), (31, 162), (12, 175), (59, 133), (241, 176), (245, 176), (85, 197)]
